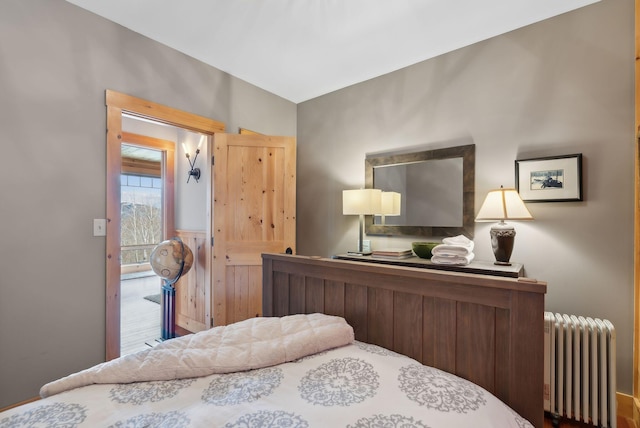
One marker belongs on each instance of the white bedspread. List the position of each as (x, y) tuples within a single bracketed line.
[(355, 386), (249, 344)]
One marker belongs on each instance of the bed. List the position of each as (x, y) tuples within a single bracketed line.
[(326, 353), (486, 329)]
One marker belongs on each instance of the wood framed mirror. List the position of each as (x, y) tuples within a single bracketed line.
[(437, 189)]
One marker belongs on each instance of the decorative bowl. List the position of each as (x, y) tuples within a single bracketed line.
[(423, 249)]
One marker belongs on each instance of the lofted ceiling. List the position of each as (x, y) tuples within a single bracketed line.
[(301, 49)]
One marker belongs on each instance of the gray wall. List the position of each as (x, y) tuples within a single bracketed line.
[(56, 60), (562, 86)]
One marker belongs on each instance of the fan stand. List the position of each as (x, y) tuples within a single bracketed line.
[(168, 308), (168, 305)]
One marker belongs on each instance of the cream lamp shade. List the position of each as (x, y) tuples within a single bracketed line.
[(503, 204), (361, 202), (389, 205)]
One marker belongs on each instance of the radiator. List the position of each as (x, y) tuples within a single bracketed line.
[(580, 369)]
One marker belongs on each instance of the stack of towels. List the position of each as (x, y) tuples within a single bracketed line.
[(457, 250)]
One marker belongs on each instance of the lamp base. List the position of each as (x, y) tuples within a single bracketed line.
[(359, 253), (502, 239)]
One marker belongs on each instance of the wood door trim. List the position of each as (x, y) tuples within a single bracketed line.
[(636, 243), (117, 104), (114, 159), (162, 113)]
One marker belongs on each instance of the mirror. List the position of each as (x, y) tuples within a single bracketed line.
[(437, 189)]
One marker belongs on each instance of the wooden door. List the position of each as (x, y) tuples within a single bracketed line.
[(254, 209)]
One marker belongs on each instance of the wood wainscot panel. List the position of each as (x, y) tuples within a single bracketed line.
[(191, 289), (476, 336), (334, 298), (407, 325), (441, 327), (314, 295), (380, 317), (356, 310)]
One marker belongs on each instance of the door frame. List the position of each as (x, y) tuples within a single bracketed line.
[(636, 213), (118, 103)]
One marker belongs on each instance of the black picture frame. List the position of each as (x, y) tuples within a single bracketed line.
[(550, 179)]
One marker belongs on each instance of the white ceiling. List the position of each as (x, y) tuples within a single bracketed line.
[(301, 49)]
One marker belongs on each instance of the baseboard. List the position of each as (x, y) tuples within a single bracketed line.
[(624, 407), (635, 411), (30, 400)]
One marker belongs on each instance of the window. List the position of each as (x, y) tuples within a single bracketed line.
[(141, 217)]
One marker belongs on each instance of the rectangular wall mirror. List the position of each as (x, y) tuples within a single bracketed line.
[(437, 189)]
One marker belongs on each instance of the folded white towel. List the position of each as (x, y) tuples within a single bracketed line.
[(452, 260), (450, 250), (460, 240)]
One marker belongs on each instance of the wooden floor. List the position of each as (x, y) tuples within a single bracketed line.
[(622, 423), (139, 318)]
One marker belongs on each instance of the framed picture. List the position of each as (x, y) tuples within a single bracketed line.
[(550, 179)]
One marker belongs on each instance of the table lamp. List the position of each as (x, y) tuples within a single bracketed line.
[(361, 202), (503, 204), (389, 205)]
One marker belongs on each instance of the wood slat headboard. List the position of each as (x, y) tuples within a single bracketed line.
[(486, 329)]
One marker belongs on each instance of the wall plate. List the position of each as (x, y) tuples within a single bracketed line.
[(99, 227)]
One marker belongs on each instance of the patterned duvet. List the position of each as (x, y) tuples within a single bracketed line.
[(357, 385)]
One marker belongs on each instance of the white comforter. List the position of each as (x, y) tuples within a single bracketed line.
[(249, 344), (356, 385)]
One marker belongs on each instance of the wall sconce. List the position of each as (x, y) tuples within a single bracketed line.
[(193, 172), (503, 204), (389, 205), (361, 202)]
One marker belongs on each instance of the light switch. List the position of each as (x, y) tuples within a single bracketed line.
[(99, 227)]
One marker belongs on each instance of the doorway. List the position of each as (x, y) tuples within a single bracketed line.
[(119, 104), (147, 165)]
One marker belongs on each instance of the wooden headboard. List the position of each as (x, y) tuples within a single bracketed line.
[(486, 329)]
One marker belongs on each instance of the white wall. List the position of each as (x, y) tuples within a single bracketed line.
[(191, 197), (562, 86)]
